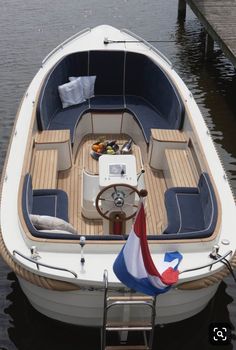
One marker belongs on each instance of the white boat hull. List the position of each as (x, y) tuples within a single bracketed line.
[(60, 252), (85, 307)]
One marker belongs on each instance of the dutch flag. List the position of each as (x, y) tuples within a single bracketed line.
[(135, 268)]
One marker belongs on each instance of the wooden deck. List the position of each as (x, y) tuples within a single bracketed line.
[(70, 181), (219, 19), (155, 207), (44, 169), (181, 168), (180, 162)]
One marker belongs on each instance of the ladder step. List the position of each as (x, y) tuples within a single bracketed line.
[(143, 323), (127, 347), (124, 328), (130, 298), (129, 302)]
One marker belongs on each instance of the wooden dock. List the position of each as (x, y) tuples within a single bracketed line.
[(219, 19)]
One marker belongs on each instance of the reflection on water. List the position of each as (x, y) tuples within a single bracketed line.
[(27, 329), (213, 84), (27, 33)]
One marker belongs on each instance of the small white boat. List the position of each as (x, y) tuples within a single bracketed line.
[(92, 94)]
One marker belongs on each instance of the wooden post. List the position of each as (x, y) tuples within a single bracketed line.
[(182, 9), (209, 46)]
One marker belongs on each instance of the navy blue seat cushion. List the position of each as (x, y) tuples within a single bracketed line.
[(184, 211), (192, 211), (68, 118), (32, 203), (107, 102), (147, 115), (43, 202), (50, 202)]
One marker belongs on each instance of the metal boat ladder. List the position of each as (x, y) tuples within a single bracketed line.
[(146, 326)]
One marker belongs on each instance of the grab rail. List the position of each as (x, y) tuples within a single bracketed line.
[(44, 265), (210, 264), (148, 44), (60, 46)]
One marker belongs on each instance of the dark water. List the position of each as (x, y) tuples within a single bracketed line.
[(29, 29)]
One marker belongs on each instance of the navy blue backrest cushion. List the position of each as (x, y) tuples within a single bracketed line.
[(208, 200), (49, 100), (144, 78), (27, 202), (108, 66), (117, 73), (28, 193), (134, 74)]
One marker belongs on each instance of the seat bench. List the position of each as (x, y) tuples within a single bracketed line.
[(180, 169), (192, 211), (68, 118), (44, 170), (49, 202), (125, 81), (147, 116), (143, 112)]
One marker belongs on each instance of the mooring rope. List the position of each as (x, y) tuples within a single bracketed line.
[(209, 280), (53, 284), (40, 281)]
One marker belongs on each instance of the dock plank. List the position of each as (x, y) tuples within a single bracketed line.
[(219, 19)]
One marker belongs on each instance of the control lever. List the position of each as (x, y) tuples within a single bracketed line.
[(139, 175)]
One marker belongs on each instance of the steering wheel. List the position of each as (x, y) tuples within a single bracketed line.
[(116, 196)]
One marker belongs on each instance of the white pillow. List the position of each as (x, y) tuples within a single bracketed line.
[(45, 222), (71, 93), (87, 83)]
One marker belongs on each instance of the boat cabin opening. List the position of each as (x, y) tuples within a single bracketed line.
[(73, 177)]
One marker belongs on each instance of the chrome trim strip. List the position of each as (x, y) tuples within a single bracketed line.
[(59, 47)]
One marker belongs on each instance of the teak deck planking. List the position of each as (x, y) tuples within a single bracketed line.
[(168, 135), (52, 136), (70, 181), (181, 165), (182, 168), (155, 207), (44, 169)]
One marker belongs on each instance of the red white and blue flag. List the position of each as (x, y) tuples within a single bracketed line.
[(134, 265)]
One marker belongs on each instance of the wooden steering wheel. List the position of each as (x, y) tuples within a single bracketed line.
[(117, 199)]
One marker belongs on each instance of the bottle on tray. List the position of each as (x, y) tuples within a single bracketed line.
[(127, 147)]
